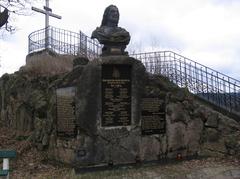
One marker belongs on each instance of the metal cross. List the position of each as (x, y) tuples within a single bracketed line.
[(48, 12)]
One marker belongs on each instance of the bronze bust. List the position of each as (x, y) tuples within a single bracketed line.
[(114, 38)]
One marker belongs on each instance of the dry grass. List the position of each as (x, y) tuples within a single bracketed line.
[(209, 167), (48, 64), (34, 164)]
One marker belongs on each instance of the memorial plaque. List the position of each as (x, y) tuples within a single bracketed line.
[(66, 121), (153, 116), (116, 95)]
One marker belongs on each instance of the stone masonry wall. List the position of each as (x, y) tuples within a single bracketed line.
[(28, 103)]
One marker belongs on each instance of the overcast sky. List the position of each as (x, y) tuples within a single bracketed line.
[(206, 31)]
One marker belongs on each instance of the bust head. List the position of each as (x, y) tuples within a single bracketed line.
[(114, 38), (110, 16)]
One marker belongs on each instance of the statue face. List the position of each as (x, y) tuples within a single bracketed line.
[(113, 16)]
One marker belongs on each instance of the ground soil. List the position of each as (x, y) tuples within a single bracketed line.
[(32, 163)]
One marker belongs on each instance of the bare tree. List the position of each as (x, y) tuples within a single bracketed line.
[(3, 17), (135, 47), (9, 9)]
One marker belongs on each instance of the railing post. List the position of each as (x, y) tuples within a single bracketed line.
[(201, 71), (224, 92), (156, 63), (230, 95), (189, 77), (160, 64), (80, 45), (207, 82), (29, 45), (196, 76), (212, 89), (176, 75), (180, 65), (86, 46), (236, 102), (218, 87), (185, 72), (164, 63), (51, 37)]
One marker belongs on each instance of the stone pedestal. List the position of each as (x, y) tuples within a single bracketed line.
[(89, 91), (118, 138), (126, 115)]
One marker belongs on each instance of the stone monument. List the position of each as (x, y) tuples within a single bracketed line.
[(111, 111), (114, 38)]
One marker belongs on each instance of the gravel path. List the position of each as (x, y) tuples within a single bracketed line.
[(211, 168)]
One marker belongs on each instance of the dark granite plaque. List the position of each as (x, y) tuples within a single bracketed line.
[(66, 121), (116, 95), (153, 116)]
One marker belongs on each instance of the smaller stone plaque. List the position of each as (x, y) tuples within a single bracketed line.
[(153, 116), (66, 120)]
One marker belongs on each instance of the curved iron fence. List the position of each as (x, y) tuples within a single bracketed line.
[(63, 42), (202, 81)]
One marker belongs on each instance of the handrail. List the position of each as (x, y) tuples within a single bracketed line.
[(207, 83), (63, 42), (169, 51)]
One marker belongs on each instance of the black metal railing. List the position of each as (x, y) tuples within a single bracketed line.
[(202, 81), (63, 42)]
